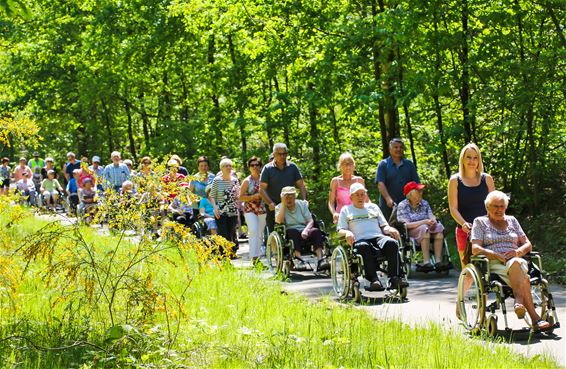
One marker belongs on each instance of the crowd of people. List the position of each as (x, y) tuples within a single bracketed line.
[(268, 195)]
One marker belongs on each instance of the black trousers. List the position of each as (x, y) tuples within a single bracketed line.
[(227, 228), (373, 248)]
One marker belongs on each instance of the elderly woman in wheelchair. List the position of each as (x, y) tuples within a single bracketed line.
[(297, 229), (503, 263), (421, 229), (373, 241)]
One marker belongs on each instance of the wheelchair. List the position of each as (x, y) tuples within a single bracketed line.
[(412, 254), (347, 270), (279, 250), (478, 309)]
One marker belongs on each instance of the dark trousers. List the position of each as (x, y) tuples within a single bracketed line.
[(371, 249), (270, 220), (227, 228), (315, 237), (73, 201)]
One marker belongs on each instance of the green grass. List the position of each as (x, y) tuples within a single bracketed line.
[(226, 319)]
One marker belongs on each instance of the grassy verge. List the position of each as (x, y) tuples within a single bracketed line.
[(219, 318)]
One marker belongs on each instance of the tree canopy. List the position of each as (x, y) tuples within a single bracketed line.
[(231, 78)]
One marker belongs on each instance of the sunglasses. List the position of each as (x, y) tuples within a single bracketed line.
[(255, 165)]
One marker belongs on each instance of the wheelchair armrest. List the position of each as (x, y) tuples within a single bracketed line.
[(280, 228), (478, 257)]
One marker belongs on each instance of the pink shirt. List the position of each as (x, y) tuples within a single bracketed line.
[(342, 198), (83, 175)]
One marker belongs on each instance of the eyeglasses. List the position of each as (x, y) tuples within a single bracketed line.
[(146, 163), (281, 153), (255, 165)]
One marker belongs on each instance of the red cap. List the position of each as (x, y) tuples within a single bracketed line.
[(412, 186)]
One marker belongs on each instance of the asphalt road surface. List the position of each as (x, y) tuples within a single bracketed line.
[(432, 298)]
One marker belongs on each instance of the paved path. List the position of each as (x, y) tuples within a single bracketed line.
[(433, 299)]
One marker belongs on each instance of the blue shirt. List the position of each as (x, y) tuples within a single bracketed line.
[(395, 178), (72, 186), (276, 178), (115, 175), (69, 167), (206, 205)]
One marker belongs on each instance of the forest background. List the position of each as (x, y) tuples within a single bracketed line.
[(216, 78)]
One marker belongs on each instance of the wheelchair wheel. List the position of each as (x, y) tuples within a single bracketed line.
[(539, 292), (471, 299), (340, 272), (356, 293), (274, 253), (407, 258), (491, 325), (403, 293)]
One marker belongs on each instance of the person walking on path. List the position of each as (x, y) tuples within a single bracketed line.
[(276, 175), (393, 173)]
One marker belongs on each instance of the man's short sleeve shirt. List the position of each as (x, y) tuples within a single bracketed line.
[(297, 218), (277, 178), (396, 177), (365, 223)]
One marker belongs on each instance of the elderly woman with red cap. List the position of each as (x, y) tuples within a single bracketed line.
[(422, 225)]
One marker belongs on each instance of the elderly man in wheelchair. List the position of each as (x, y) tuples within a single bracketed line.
[(366, 230), (502, 258), (301, 231)]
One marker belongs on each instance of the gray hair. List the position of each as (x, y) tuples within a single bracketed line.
[(115, 153), (280, 145), (496, 195), (225, 162), (396, 140)]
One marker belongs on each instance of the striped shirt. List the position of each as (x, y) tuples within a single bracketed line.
[(225, 194)]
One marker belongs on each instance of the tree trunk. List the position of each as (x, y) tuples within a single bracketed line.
[(146, 125), (465, 79), (406, 108), (436, 97), (268, 97), (215, 113), (131, 139), (388, 115), (108, 125), (314, 139), (238, 76), (528, 117)]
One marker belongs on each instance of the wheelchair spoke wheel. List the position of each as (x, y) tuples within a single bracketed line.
[(539, 291), (340, 272), (471, 299), (274, 253)]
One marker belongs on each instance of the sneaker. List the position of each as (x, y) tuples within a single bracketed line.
[(443, 265), (322, 265), (375, 286), (396, 283), (425, 267)]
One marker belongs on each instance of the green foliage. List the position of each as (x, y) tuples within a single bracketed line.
[(231, 78), (221, 318)]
